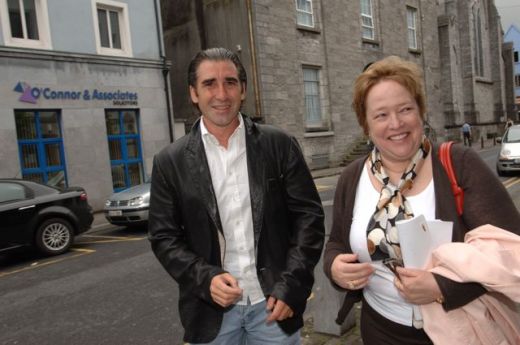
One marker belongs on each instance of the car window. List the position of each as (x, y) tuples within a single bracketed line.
[(512, 135), (40, 189), (12, 192)]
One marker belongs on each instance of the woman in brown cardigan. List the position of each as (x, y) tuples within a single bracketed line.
[(401, 178)]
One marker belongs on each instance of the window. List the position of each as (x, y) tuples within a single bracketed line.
[(515, 56), (311, 86), (124, 147), (478, 54), (411, 17), (112, 28), (367, 20), (517, 80), (10, 192), (40, 146), (25, 23), (304, 14)]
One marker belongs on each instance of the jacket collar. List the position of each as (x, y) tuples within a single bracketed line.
[(257, 162), (256, 166), (199, 169)]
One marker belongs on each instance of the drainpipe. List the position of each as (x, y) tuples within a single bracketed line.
[(252, 44), (165, 70), (425, 77)]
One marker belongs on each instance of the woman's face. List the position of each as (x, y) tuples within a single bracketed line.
[(393, 120)]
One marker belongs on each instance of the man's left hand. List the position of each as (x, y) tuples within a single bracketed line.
[(279, 310)]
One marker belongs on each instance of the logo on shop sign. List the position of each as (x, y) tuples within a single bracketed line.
[(31, 95), (26, 91)]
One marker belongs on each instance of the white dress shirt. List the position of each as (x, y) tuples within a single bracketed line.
[(230, 181)]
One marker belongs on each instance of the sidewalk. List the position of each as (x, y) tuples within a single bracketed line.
[(308, 335)]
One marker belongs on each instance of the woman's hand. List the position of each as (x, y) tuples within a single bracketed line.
[(348, 273), (417, 286)]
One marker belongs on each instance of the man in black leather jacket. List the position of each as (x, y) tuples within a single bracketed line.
[(235, 217)]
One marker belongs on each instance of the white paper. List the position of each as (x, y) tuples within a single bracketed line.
[(418, 239)]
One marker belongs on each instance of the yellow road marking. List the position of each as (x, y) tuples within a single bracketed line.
[(110, 239), (81, 252), (322, 188), (511, 182)]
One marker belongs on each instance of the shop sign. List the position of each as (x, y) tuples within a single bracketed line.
[(31, 94)]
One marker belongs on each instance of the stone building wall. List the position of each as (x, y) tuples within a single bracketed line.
[(334, 46)]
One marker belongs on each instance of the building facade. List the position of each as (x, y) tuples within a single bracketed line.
[(512, 35), (475, 65), (303, 56), (82, 93)]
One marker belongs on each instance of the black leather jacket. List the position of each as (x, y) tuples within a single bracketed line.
[(187, 237)]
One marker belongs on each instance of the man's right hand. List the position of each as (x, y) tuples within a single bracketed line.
[(224, 289)]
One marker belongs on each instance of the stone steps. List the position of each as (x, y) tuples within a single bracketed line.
[(358, 148)]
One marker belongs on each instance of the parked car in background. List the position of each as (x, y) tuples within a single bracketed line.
[(509, 155), (47, 218), (130, 206)]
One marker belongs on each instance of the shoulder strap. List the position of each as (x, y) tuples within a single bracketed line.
[(445, 157)]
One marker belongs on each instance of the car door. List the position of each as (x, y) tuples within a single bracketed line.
[(17, 212)]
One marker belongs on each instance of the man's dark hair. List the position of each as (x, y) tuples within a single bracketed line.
[(215, 54)]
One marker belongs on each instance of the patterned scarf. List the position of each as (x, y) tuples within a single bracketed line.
[(382, 236)]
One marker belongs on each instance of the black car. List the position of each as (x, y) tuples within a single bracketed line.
[(48, 218)]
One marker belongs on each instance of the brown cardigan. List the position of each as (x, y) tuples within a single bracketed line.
[(486, 201)]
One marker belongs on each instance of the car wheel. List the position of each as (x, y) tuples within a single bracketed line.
[(500, 172), (54, 236)]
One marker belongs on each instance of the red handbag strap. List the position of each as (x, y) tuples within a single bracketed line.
[(458, 192)]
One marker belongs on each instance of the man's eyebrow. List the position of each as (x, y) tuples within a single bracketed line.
[(232, 79), (208, 81)]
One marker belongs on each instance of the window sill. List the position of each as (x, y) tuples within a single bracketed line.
[(318, 134), (483, 80), (113, 52), (370, 41), (414, 51), (30, 44), (308, 29)]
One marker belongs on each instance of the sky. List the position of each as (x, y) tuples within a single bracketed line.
[(509, 11)]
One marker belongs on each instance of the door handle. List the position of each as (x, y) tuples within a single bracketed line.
[(26, 207)]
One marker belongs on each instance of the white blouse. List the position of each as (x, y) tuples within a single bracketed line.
[(380, 292)]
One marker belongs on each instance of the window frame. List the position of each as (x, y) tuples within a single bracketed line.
[(301, 11), (122, 138), (370, 17), (42, 20), (124, 27), (312, 126), (411, 30), (40, 143), (517, 80)]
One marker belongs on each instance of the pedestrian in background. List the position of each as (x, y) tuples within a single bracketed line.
[(401, 178), (466, 133), (509, 123), (235, 217)]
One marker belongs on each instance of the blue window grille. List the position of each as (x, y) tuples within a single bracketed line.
[(124, 146), (40, 146)]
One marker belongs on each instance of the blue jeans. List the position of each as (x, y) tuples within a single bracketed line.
[(246, 325)]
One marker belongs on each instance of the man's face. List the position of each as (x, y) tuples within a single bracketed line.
[(218, 93)]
